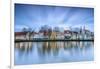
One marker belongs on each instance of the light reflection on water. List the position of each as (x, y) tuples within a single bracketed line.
[(52, 52)]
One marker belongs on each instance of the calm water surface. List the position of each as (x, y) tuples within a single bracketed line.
[(52, 52)]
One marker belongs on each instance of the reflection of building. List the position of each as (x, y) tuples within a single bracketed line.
[(55, 48), (50, 48), (24, 46)]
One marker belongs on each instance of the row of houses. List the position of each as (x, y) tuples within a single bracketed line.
[(67, 34)]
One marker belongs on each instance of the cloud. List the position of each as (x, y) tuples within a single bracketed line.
[(35, 16), (20, 27)]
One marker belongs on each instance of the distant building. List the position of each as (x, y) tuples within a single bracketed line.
[(67, 34), (56, 33), (24, 35), (20, 35), (53, 35)]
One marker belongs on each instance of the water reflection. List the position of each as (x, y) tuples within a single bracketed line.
[(51, 52)]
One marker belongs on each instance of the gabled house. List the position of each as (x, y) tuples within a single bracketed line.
[(20, 35)]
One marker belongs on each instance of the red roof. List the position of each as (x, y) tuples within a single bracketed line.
[(20, 33), (23, 33)]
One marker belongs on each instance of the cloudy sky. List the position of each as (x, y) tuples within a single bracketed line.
[(35, 16)]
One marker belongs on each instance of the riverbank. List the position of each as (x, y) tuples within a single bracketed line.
[(45, 40)]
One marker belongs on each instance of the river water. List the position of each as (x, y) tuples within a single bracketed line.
[(53, 52)]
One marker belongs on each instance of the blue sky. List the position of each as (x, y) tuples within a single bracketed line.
[(35, 16)]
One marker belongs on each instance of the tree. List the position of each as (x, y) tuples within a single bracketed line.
[(49, 32), (45, 29), (24, 30), (31, 32), (56, 29)]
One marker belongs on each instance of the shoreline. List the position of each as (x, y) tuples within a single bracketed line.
[(46, 40)]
